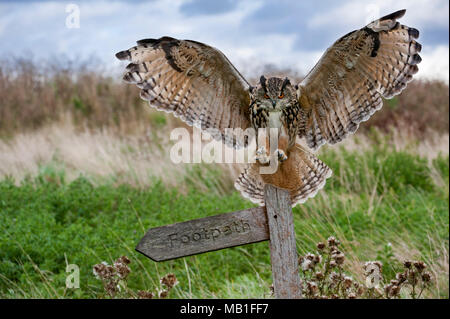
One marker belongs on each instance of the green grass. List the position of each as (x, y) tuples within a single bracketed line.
[(382, 204)]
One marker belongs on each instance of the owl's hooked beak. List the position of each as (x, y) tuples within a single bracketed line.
[(274, 103)]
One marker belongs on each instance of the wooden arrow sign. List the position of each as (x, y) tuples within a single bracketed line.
[(205, 234), (274, 222)]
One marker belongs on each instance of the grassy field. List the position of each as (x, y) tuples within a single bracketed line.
[(85, 171), (383, 204)]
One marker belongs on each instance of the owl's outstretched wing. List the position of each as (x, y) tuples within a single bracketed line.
[(347, 84), (192, 80)]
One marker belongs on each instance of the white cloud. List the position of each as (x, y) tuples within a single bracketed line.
[(358, 13), (435, 64)]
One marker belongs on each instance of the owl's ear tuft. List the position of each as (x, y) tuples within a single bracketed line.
[(285, 82), (262, 81), (395, 15)]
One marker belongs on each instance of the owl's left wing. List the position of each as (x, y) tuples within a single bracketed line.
[(346, 85), (195, 82)]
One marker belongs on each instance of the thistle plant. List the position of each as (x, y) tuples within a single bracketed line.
[(413, 278), (114, 278), (324, 277)]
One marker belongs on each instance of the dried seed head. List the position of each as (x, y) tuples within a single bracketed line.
[(169, 281), (400, 277), (310, 256), (395, 290), (122, 270), (360, 290), (320, 246), (333, 264), (123, 260), (347, 283), (407, 264), (163, 294), (317, 259), (319, 275), (332, 241), (420, 265), (99, 270), (426, 277), (351, 295), (307, 264), (379, 265), (335, 277), (369, 267), (145, 294), (312, 288), (103, 271), (339, 257), (394, 282)]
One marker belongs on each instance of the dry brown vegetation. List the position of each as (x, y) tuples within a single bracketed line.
[(33, 95)]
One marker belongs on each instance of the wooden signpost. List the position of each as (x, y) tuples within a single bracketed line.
[(273, 222)]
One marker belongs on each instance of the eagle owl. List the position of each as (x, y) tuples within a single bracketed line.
[(198, 84)]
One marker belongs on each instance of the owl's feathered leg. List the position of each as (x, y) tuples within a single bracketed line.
[(264, 148), (262, 153), (302, 174), (283, 143)]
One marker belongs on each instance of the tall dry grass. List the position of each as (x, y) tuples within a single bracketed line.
[(137, 159)]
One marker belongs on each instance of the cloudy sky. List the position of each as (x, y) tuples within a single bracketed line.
[(252, 33)]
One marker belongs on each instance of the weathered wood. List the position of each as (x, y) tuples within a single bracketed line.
[(283, 251), (205, 234)]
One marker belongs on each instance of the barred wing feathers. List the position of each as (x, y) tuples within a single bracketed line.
[(347, 84), (192, 80)]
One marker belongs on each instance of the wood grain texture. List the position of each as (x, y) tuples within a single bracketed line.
[(205, 234), (283, 251)]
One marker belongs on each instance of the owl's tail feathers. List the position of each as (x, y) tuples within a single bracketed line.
[(250, 184), (302, 174)]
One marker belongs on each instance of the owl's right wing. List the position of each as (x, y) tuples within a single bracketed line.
[(346, 85), (192, 80)]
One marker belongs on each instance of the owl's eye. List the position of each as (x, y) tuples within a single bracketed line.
[(281, 96), (266, 96)]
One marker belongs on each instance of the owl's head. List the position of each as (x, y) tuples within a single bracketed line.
[(274, 93)]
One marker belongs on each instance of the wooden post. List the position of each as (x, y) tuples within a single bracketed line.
[(283, 251), (273, 222)]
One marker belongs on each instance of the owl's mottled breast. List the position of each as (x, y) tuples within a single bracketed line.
[(292, 117), (259, 117)]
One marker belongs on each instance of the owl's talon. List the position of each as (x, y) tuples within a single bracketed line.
[(261, 155), (261, 151), (281, 155), (263, 159)]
